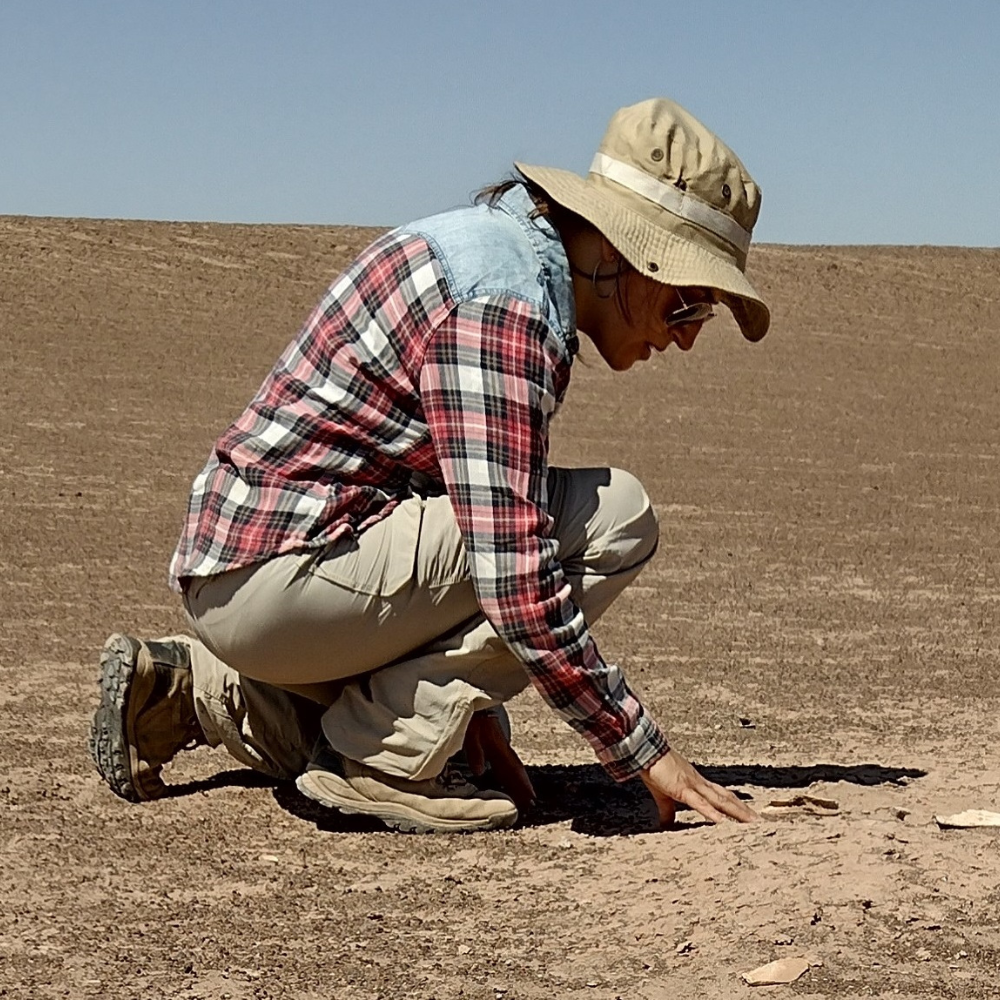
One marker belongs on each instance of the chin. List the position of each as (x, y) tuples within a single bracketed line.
[(620, 362)]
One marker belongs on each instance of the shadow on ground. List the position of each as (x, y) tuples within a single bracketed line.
[(598, 806), (582, 794), (769, 776)]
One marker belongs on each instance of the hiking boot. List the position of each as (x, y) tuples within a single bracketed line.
[(146, 714), (445, 804)]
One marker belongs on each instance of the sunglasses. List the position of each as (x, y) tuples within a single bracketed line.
[(687, 315)]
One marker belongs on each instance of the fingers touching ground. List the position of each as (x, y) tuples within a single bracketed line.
[(719, 807), (674, 779), (670, 780)]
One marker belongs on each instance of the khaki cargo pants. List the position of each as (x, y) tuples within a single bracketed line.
[(378, 641)]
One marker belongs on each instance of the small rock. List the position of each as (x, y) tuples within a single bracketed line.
[(684, 948), (799, 805), (923, 954), (784, 939), (784, 970), (463, 949), (968, 819)]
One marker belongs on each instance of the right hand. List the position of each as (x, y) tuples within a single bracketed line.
[(673, 779)]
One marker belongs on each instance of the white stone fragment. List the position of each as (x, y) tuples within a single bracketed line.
[(784, 970), (969, 818)]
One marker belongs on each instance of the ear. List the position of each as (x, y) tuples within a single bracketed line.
[(609, 254)]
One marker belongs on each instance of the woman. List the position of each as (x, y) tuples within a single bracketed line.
[(380, 533)]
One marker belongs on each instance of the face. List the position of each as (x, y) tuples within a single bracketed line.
[(657, 316)]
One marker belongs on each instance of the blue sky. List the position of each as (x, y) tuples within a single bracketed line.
[(864, 121)]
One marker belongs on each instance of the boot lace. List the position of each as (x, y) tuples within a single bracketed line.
[(450, 780)]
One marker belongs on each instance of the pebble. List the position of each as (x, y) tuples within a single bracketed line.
[(785, 970)]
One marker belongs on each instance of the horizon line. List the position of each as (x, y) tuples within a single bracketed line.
[(386, 226)]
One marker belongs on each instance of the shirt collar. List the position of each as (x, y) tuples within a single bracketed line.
[(552, 255)]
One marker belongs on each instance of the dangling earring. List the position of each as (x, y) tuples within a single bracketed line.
[(604, 277)]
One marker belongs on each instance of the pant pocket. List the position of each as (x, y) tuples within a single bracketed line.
[(381, 560), (442, 560)]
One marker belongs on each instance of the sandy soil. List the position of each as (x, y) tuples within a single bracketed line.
[(828, 574)]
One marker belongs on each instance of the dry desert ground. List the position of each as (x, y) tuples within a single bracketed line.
[(821, 619)]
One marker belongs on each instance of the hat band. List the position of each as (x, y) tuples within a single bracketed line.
[(672, 199)]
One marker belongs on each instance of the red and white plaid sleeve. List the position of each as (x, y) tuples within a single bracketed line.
[(488, 389)]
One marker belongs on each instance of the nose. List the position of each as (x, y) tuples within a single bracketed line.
[(685, 336)]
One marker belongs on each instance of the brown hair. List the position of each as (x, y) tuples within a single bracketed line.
[(492, 193)]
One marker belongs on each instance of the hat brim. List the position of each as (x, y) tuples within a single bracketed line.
[(678, 261)]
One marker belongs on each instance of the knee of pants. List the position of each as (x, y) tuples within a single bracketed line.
[(636, 531), (644, 526)]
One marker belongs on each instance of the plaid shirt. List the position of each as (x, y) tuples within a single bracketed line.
[(406, 381)]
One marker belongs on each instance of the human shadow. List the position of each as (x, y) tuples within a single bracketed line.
[(771, 776), (597, 806), (242, 777)]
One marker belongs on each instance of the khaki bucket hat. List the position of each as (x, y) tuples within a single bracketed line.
[(674, 200)]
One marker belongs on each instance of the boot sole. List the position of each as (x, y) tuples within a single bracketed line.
[(394, 815), (108, 744)]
